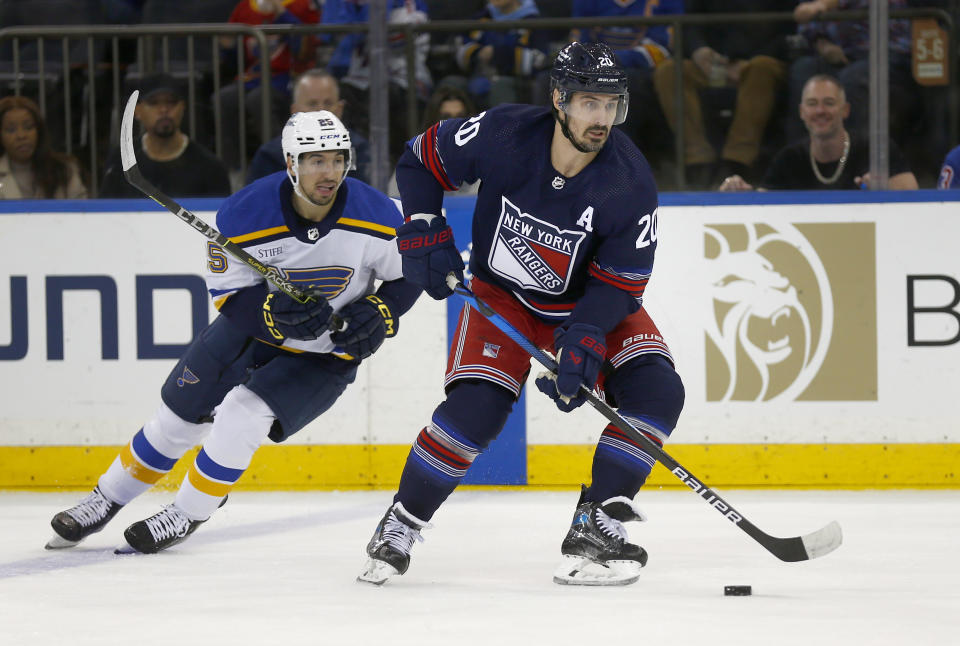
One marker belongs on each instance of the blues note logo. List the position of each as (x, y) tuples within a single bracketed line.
[(187, 377), (331, 281)]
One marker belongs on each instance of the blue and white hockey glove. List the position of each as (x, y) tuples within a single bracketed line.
[(429, 254), (369, 322), (285, 318), (581, 349)]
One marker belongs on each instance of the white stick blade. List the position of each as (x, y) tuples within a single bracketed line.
[(127, 155), (823, 541)]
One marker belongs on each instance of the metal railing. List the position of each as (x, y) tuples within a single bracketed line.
[(380, 78), (677, 22), (147, 62)]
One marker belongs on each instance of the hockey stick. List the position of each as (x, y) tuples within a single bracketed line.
[(137, 180), (798, 548)]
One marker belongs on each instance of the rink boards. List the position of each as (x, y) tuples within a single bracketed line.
[(818, 340)]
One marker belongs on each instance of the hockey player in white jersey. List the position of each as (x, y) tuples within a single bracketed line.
[(268, 364)]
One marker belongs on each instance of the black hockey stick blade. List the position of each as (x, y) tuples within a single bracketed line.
[(797, 548), (136, 179)]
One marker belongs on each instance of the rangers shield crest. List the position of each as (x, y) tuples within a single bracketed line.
[(532, 253)]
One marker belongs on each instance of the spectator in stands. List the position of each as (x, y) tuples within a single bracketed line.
[(831, 158), (314, 90), (950, 170), (842, 49), (748, 56), (29, 168), (498, 63), (446, 102), (351, 64), (289, 55), (640, 50), (166, 156)]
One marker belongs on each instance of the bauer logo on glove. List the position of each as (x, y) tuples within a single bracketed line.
[(429, 254)]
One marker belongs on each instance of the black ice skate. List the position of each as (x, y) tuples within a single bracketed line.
[(389, 548), (162, 530), (86, 517), (595, 550)]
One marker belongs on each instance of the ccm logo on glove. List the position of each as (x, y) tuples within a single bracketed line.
[(385, 313), (268, 318), (286, 318), (369, 322)]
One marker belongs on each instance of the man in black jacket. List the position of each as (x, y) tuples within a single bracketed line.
[(166, 156)]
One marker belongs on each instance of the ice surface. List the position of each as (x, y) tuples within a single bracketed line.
[(280, 568)]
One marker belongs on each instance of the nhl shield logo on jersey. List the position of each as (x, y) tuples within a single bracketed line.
[(532, 253)]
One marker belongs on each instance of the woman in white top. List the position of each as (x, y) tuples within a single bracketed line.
[(29, 168)]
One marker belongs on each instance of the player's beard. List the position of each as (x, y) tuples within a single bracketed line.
[(590, 145), (582, 144)]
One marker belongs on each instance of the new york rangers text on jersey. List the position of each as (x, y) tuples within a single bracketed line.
[(541, 235)]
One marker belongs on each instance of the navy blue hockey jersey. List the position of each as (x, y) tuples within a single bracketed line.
[(542, 236)]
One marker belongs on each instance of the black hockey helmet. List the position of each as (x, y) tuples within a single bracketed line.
[(589, 67)]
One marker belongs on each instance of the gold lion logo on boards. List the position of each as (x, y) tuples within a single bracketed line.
[(793, 312)]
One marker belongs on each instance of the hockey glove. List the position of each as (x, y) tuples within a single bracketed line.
[(286, 318), (429, 254), (369, 322), (581, 350)]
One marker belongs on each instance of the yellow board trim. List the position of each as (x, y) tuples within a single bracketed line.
[(259, 234), (363, 224), (291, 467)]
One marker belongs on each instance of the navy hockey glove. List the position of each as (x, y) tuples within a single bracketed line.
[(369, 322), (429, 254), (581, 349), (285, 318)]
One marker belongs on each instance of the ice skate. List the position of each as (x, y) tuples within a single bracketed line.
[(162, 530), (389, 548), (595, 550), (86, 517)]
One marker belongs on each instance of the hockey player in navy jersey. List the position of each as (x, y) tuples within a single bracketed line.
[(267, 365), (564, 233)]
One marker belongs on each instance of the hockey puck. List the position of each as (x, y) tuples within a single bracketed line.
[(737, 590)]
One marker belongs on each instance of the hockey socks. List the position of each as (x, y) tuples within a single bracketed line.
[(150, 455), (621, 465), (435, 466), (241, 424), (461, 427), (649, 395)]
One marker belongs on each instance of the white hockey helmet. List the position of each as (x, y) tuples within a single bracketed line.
[(308, 132)]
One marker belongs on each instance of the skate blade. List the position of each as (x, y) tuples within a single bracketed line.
[(377, 572), (59, 542), (125, 548), (575, 570)]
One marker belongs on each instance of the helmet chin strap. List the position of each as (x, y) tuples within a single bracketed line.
[(566, 132)]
